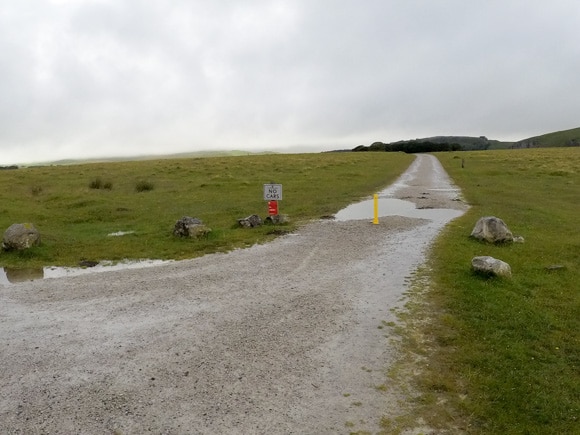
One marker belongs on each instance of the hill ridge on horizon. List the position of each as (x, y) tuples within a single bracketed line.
[(562, 138), (570, 137)]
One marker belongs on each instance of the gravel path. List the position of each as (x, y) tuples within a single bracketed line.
[(281, 338)]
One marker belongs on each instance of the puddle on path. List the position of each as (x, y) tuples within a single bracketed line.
[(388, 206), (9, 275), (434, 179), (395, 207)]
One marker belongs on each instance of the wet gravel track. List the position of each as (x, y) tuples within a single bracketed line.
[(277, 338)]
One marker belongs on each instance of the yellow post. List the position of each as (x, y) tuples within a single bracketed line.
[(376, 219)]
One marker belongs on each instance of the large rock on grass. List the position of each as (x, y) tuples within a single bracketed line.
[(489, 266), (493, 230), (277, 219), (250, 221), (20, 236), (190, 227)]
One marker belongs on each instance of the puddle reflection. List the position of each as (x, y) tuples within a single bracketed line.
[(394, 207), (21, 275), (10, 275)]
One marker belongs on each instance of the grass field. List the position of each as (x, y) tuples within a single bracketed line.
[(75, 207), (504, 355), (500, 356)]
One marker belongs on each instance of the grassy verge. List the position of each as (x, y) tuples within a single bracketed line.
[(503, 356), (76, 207)]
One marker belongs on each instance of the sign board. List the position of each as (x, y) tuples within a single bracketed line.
[(272, 192), (272, 208)]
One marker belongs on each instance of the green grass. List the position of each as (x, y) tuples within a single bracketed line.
[(504, 355), (74, 211)]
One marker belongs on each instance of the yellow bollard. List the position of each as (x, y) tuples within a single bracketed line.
[(376, 218)]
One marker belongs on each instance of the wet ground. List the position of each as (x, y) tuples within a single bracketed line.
[(280, 338), (12, 275), (418, 206), (394, 207)]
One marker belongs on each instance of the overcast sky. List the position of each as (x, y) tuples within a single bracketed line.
[(92, 78)]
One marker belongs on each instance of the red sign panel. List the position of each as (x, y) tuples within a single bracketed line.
[(272, 208)]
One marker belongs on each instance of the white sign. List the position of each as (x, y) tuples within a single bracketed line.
[(272, 192)]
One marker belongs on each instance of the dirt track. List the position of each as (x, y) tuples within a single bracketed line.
[(279, 338)]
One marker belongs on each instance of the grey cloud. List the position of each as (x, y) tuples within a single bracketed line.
[(123, 77)]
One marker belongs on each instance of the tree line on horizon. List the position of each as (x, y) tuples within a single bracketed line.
[(410, 147)]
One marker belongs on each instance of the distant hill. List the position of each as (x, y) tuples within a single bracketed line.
[(564, 138), (186, 155)]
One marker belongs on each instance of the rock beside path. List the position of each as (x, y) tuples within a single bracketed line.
[(250, 221), (277, 219), (492, 230), (490, 266), (20, 236), (190, 227)]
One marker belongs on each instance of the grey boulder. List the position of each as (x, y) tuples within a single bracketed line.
[(490, 266), (492, 229), (20, 236), (190, 227), (250, 221), (277, 219)]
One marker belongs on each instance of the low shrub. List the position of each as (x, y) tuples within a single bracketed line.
[(144, 186), (98, 183)]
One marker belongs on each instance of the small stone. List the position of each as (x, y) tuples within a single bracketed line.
[(251, 221), (555, 267), (190, 227), (277, 219)]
